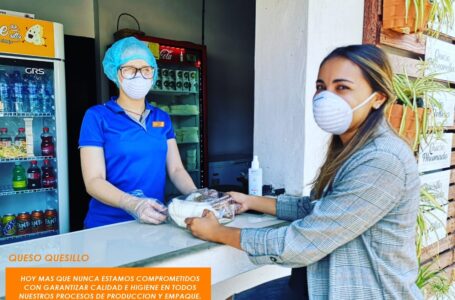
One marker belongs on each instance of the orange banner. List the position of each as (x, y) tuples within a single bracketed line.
[(107, 283), (26, 36)]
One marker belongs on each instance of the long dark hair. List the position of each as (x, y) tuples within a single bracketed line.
[(376, 69)]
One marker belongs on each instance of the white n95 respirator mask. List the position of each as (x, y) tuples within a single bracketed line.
[(332, 113), (137, 87)]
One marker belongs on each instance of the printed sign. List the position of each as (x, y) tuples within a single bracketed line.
[(171, 53), (436, 221), (108, 283), (437, 185), (440, 56), (444, 116), (26, 36), (435, 153)]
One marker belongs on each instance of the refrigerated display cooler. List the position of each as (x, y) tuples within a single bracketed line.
[(180, 90), (33, 153)]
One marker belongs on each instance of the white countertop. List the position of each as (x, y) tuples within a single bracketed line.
[(125, 244)]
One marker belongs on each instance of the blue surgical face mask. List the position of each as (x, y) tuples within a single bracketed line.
[(332, 113), (137, 87)]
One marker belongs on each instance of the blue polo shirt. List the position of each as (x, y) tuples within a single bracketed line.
[(135, 156)]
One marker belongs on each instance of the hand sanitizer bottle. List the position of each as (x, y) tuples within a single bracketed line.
[(255, 178)]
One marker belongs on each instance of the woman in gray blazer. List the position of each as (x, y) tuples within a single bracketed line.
[(355, 233)]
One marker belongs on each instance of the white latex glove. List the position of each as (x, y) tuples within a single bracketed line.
[(144, 210)]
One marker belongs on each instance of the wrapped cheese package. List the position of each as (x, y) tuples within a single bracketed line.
[(193, 205)]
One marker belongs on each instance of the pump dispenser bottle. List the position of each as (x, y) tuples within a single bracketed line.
[(255, 178)]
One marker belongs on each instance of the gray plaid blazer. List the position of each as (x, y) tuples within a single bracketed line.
[(358, 240)]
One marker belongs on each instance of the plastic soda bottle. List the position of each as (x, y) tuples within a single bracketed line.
[(20, 140), (33, 176), (48, 95), (20, 93), (5, 139), (48, 176), (47, 143), (35, 101), (19, 177), (5, 97)]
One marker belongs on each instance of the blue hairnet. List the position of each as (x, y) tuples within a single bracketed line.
[(123, 51)]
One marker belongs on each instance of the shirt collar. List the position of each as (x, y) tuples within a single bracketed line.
[(113, 105)]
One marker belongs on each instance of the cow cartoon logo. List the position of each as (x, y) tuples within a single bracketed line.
[(34, 35)]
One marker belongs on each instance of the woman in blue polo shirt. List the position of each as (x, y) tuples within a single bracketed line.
[(126, 144)]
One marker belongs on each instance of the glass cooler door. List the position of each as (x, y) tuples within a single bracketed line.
[(28, 185)]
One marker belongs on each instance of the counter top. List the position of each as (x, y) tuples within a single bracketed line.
[(127, 244)]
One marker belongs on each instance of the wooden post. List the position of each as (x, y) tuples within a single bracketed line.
[(372, 22)]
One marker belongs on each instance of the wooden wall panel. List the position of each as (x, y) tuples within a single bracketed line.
[(411, 47), (436, 248), (452, 192), (408, 42), (401, 63), (372, 24), (444, 260)]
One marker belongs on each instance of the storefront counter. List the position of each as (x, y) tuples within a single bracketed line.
[(131, 244)]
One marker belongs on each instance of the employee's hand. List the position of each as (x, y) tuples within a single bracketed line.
[(242, 202), (205, 227), (144, 210)]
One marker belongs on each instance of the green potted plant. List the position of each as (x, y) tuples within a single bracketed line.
[(430, 280), (417, 16), (441, 14), (416, 101)]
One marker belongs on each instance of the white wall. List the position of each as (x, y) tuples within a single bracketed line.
[(279, 91), (292, 37), (77, 16)]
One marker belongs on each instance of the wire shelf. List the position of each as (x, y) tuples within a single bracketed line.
[(19, 159), (26, 114), (25, 237), (7, 190)]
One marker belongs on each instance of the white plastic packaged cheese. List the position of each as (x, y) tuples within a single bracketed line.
[(193, 205)]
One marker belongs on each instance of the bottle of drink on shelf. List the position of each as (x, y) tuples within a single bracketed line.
[(47, 143), (20, 93), (5, 139), (48, 95), (48, 175), (33, 176), (34, 96), (41, 89), (5, 97), (20, 140), (19, 177)]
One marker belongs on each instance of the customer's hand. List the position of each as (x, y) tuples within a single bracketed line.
[(242, 201), (205, 227), (144, 210)]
